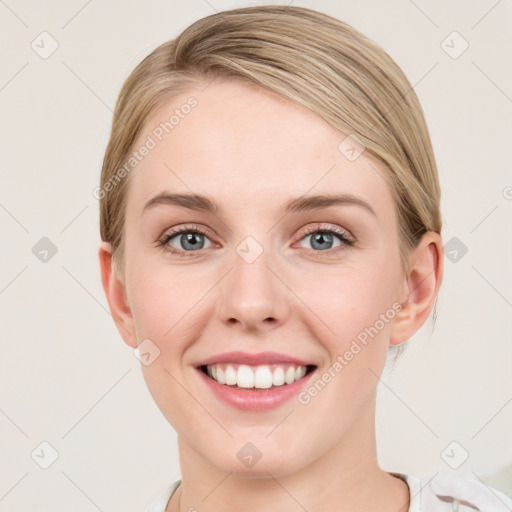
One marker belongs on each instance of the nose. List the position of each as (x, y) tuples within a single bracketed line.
[(253, 296)]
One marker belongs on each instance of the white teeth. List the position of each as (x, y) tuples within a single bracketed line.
[(289, 376), (230, 375), (278, 377), (220, 376), (244, 377), (263, 377), (300, 372), (260, 377)]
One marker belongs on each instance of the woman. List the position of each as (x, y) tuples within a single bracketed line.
[(271, 228)]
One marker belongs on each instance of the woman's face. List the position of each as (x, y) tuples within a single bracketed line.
[(272, 270)]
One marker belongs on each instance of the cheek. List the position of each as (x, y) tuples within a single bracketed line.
[(165, 308), (162, 299), (347, 299), (350, 303)]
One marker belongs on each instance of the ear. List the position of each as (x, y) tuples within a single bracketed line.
[(115, 291), (419, 288)]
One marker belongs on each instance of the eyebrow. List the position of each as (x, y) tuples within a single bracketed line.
[(203, 203)]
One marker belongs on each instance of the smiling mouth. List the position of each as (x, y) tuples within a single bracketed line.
[(261, 377)]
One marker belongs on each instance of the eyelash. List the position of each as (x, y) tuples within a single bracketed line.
[(162, 242), (177, 231)]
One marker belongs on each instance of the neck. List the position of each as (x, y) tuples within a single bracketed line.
[(346, 478)]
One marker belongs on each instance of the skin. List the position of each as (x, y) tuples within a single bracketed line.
[(251, 151)]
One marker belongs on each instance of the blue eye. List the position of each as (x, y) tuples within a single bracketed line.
[(188, 239), (322, 239)]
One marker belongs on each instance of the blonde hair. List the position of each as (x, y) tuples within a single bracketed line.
[(310, 58)]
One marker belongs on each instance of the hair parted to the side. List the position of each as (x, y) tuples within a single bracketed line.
[(310, 58)]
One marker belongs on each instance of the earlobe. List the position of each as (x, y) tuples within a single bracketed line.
[(116, 296), (420, 288)]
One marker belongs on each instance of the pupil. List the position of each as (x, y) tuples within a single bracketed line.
[(190, 238), (322, 238)]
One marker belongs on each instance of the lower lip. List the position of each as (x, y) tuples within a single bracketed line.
[(256, 399)]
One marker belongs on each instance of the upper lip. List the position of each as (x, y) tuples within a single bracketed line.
[(254, 359)]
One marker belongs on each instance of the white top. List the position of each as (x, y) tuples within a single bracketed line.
[(445, 492)]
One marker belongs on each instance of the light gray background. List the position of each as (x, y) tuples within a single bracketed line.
[(66, 376)]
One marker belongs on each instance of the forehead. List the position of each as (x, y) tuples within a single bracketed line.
[(241, 144)]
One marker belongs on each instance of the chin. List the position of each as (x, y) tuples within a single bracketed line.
[(254, 459), (261, 469)]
